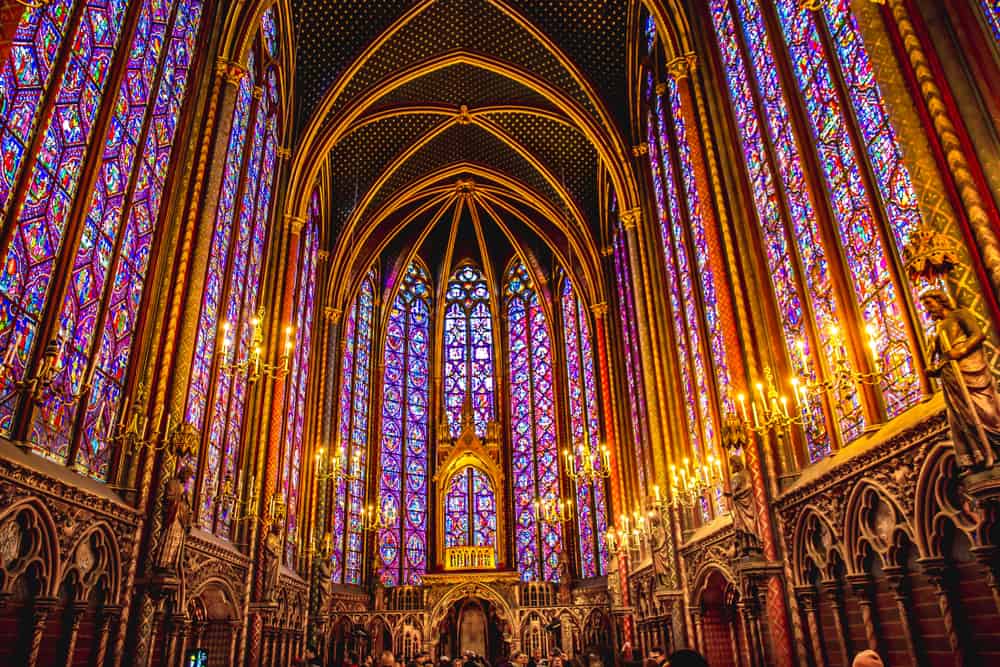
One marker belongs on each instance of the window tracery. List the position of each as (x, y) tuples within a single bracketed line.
[(468, 349)]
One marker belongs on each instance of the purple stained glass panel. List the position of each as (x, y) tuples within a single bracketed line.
[(468, 350), (403, 484)]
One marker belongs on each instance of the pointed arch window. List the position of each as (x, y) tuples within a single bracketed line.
[(585, 428), (355, 391), (470, 510), (65, 56), (992, 12), (535, 453), (298, 380), (404, 458), (216, 399), (468, 349), (868, 197)]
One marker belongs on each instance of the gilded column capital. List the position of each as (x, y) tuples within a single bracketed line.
[(332, 314), (294, 223), (283, 152), (323, 255), (599, 309), (630, 218), (678, 68), (640, 149), (230, 70), (258, 92), (661, 89)]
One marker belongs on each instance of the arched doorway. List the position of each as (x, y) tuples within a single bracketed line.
[(718, 620), (474, 624)]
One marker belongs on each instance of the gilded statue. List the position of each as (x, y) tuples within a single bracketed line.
[(177, 519), (958, 360), (742, 503)]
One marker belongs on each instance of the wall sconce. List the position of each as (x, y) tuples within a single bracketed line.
[(252, 364)]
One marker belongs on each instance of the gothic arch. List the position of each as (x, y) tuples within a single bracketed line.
[(28, 539), (93, 562), (874, 519), (473, 590), (815, 541), (702, 576)]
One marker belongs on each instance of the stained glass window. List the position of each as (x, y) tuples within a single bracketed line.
[(630, 339), (118, 216), (470, 510), (840, 96), (298, 378), (355, 390), (230, 301), (535, 454), (585, 431), (403, 483), (468, 349), (992, 11), (685, 318)]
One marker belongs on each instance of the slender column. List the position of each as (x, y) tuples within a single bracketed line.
[(989, 557), (862, 585), (108, 616), (75, 613), (982, 227), (900, 585), (941, 578), (831, 588), (40, 611), (808, 602), (699, 636)]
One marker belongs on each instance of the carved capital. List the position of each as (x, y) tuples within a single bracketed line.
[(332, 314), (640, 149), (230, 70), (630, 218), (283, 152), (257, 92), (322, 255), (661, 89), (599, 310), (678, 68), (294, 223)]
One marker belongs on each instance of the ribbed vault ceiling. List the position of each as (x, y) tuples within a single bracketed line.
[(391, 94)]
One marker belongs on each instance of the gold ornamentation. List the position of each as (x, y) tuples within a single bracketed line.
[(679, 68), (929, 255), (640, 149), (469, 558)]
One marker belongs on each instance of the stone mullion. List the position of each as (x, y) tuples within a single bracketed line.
[(564, 429), (809, 604), (631, 491), (833, 590), (982, 221)]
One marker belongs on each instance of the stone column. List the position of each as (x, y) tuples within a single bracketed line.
[(107, 618), (862, 585), (40, 610), (806, 596), (982, 227), (75, 613), (831, 588), (941, 577), (900, 585), (699, 637)]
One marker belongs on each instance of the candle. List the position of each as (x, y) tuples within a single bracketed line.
[(784, 406), (743, 406), (656, 492), (756, 420)]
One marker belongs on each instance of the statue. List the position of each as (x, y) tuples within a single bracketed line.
[(324, 576), (272, 561), (177, 521), (378, 583), (565, 579), (959, 362), (744, 514), (614, 583), (658, 546)]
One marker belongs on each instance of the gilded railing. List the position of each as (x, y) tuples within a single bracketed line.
[(470, 558)]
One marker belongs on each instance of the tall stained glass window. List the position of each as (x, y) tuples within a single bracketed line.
[(229, 310), (65, 54), (468, 349), (868, 192), (298, 379), (682, 287), (355, 391), (470, 510), (630, 338), (535, 453), (585, 431), (405, 398)]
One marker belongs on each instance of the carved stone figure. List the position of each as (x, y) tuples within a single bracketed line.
[(176, 522), (959, 362), (272, 561), (378, 585), (324, 576), (614, 583), (565, 579), (744, 514), (660, 551)]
